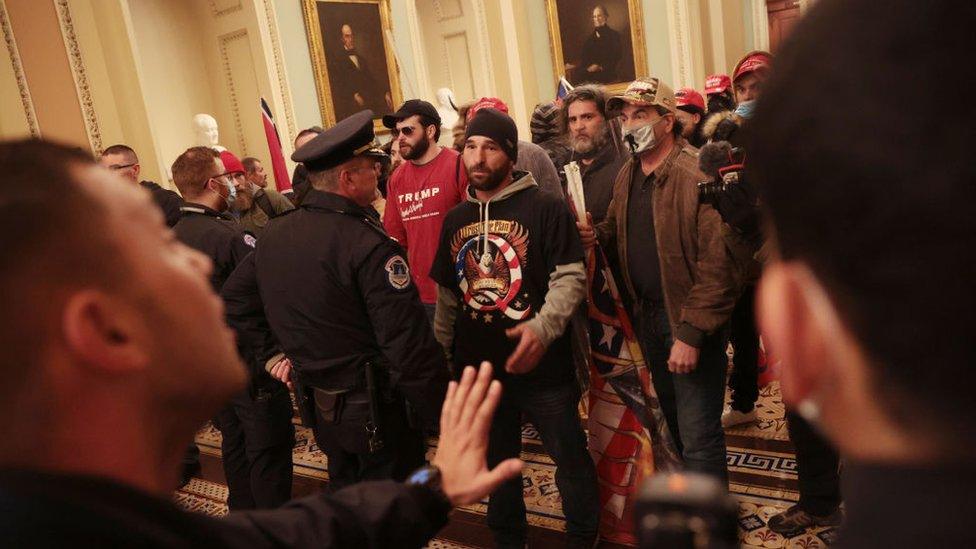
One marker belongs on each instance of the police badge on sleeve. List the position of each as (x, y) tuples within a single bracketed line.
[(397, 272)]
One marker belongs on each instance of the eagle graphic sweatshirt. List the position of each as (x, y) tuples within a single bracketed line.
[(514, 258)]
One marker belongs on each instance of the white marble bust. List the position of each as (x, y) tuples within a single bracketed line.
[(205, 131)]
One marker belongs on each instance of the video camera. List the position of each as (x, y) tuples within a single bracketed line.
[(723, 164), (686, 511), (727, 189)]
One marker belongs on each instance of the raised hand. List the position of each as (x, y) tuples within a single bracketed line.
[(461, 451)]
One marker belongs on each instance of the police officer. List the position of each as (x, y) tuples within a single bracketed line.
[(258, 436), (340, 301)]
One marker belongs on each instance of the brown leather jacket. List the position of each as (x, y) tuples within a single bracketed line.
[(698, 278)]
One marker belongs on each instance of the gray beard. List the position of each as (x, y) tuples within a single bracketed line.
[(591, 147)]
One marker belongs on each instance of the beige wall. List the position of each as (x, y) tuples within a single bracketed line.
[(15, 116), (48, 73), (150, 65), (175, 82)]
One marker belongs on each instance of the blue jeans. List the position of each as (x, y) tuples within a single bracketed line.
[(692, 403), (554, 413)]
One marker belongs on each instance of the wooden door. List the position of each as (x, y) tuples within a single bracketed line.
[(783, 15)]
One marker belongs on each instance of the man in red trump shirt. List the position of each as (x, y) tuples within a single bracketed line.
[(421, 190)]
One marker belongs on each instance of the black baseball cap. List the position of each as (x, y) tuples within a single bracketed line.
[(409, 108), (350, 137)]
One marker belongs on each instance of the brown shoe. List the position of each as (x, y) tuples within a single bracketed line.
[(794, 521)]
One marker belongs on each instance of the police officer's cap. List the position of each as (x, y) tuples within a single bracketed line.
[(350, 137)]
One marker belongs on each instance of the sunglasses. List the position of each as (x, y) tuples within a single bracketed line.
[(407, 131), (117, 167)]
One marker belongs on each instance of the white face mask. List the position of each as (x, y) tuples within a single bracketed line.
[(641, 138)]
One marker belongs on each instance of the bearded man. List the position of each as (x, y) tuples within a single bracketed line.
[(510, 274), (421, 190), (675, 268), (584, 123)]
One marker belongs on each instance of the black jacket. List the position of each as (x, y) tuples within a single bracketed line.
[(217, 235), (168, 201), (338, 294), (901, 506), (51, 510), (598, 179)]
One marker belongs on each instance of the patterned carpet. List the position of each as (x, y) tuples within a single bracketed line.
[(762, 473)]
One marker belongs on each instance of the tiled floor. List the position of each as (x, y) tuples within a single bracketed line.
[(762, 473)]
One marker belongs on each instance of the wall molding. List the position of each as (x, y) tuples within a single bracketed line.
[(515, 77), (283, 86), (422, 90), (439, 10), (681, 58), (25, 96), (481, 19), (760, 25), (79, 74), (220, 12), (225, 40), (716, 29), (446, 59)]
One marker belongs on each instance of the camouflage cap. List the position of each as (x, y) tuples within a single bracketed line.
[(645, 91)]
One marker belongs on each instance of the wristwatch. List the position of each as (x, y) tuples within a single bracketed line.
[(429, 477)]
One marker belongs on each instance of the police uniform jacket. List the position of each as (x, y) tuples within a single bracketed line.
[(221, 238), (217, 235), (338, 293)]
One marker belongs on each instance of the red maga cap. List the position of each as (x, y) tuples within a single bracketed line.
[(487, 103), (717, 83), (689, 97), (755, 61)]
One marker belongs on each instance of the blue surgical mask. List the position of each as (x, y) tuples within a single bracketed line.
[(746, 108)]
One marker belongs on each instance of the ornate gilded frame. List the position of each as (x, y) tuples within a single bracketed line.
[(319, 67), (636, 38)]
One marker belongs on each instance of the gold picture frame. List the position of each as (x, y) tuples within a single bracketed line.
[(334, 98), (635, 22)]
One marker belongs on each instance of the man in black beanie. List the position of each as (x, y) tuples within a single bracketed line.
[(510, 273)]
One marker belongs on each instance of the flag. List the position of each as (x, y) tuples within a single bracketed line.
[(769, 366), (278, 168), (563, 87), (629, 437)]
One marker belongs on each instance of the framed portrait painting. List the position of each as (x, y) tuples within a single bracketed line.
[(597, 41), (352, 61)]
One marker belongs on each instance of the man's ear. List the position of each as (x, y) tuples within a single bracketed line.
[(430, 131), (669, 123), (345, 181), (103, 333), (136, 170), (799, 327)]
